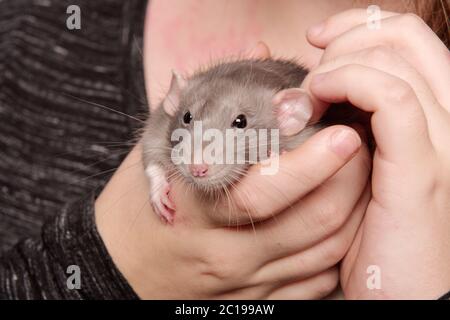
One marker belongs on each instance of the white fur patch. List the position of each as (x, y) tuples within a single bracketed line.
[(157, 178)]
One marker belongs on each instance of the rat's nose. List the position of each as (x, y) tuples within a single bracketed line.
[(198, 170)]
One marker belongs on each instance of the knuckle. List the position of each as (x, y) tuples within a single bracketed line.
[(336, 252), (328, 283), (399, 92), (330, 217), (380, 54), (351, 69), (411, 20), (219, 265)]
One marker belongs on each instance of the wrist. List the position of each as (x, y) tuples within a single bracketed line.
[(123, 215)]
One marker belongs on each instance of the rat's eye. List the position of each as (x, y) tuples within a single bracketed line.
[(240, 122), (187, 117)]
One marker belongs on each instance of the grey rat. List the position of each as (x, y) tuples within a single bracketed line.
[(251, 93)]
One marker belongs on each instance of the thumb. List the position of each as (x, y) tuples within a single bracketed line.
[(299, 172)]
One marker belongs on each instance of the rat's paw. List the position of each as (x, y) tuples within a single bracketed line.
[(159, 193), (162, 204)]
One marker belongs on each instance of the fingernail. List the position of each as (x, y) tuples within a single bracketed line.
[(316, 29), (345, 142)]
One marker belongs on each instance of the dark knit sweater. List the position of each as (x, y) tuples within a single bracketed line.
[(57, 151)]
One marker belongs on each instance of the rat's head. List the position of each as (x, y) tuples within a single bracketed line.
[(220, 126)]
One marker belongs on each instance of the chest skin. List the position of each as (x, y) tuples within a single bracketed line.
[(188, 34), (183, 35)]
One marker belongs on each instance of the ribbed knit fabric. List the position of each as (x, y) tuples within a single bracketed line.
[(57, 146), (38, 269)]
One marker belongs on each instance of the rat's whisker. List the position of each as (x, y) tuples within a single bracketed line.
[(133, 223), (98, 162), (117, 171), (246, 207), (117, 200), (77, 150), (230, 206), (245, 174), (103, 107)]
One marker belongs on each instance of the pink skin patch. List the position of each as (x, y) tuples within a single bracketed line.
[(159, 194), (294, 110), (193, 38), (199, 170)]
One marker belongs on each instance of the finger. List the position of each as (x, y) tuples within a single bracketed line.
[(316, 287), (319, 214), (319, 107), (406, 34), (398, 121), (311, 220), (262, 196), (259, 51), (387, 60), (322, 33), (319, 257)]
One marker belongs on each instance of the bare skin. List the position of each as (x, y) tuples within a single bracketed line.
[(186, 34), (405, 233), (315, 233), (208, 259)]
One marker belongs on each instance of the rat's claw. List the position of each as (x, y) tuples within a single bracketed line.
[(163, 212), (162, 204), (165, 199), (159, 193)]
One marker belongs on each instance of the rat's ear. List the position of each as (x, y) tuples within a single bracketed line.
[(172, 100), (294, 109)]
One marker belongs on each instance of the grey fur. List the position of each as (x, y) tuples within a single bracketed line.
[(217, 96)]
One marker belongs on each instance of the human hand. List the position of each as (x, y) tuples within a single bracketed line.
[(291, 254), (400, 72), (304, 220)]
